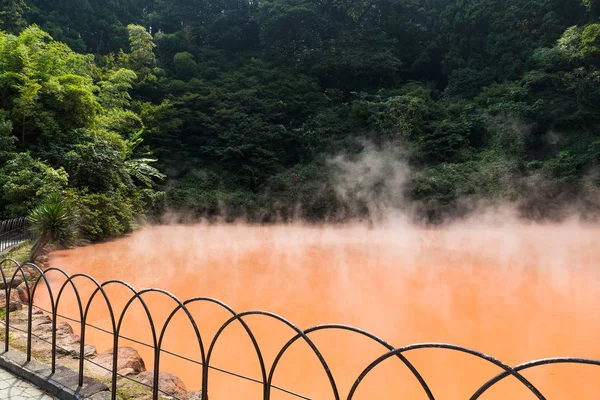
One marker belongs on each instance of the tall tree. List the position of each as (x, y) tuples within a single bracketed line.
[(11, 15)]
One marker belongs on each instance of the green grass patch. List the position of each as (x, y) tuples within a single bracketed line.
[(128, 390), (20, 253)]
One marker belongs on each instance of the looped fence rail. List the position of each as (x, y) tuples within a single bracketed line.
[(206, 348), (13, 232)]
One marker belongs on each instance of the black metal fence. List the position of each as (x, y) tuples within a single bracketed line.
[(206, 348), (13, 232)]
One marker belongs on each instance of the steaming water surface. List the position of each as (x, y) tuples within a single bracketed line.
[(517, 292)]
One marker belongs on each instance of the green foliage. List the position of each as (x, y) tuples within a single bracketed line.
[(467, 82), (185, 66), (71, 118), (290, 27), (54, 219), (25, 180), (581, 43), (104, 215), (11, 12), (22, 254), (593, 7), (242, 103), (93, 159), (114, 91), (300, 192), (7, 140), (47, 88), (140, 168), (88, 26), (142, 45), (199, 192)]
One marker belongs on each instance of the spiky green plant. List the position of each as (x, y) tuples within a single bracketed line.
[(140, 168), (53, 222)]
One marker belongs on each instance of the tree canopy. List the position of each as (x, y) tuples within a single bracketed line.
[(66, 124), (245, 106)]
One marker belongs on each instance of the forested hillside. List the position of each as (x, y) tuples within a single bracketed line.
[(252, 108)]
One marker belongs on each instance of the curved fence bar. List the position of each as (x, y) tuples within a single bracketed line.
[(84, 319), (136, 295), (446, 346), (247, 329), (361, 332), (531, 364), (15, 264), (158, 344), (31, 295), (55, 313), (12, 233), (32, 275), (9, 287)]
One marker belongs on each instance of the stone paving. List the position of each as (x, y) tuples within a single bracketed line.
[(14, 388)]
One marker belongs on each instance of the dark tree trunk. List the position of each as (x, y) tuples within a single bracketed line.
[(39, 246)]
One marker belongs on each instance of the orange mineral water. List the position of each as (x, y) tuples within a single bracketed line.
[(515, 291)]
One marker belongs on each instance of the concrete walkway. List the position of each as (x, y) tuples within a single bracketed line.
[(14, 388)]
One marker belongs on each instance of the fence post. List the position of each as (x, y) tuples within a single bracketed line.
[(13, 232)]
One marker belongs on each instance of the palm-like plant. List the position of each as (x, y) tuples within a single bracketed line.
[(140, 168), (53, 222)]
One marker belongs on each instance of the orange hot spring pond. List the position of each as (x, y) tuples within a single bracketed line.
[(515, 291)]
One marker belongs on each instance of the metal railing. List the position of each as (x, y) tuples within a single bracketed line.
[(13, 232), (206, 348)]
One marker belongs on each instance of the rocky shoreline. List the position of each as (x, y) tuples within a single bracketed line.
[(99, 365)]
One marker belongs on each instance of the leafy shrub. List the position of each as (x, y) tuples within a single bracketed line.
[(104, 215), (24, 181)]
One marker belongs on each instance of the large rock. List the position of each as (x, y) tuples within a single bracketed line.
[(168, 383), (31, 274), (14, 303), (194, 396), (64, 328), (43, 259), (42, 322), (42, 326), (22, 292), (69, 345), (128, 361), (16, 281)]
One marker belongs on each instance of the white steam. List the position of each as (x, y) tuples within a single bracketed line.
[(373, 181)]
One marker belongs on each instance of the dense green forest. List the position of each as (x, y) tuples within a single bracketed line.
[(312, 109)]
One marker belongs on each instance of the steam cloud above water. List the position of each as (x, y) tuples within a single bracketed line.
[(378, 184), (373, 181)]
